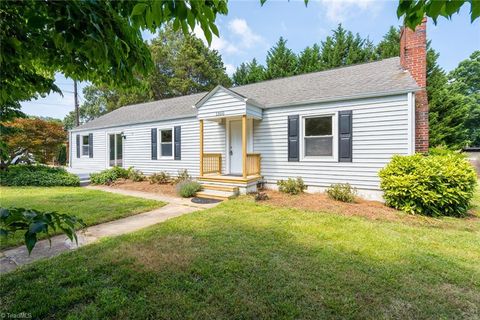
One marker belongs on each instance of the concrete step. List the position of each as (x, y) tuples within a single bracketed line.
[(216, 194)]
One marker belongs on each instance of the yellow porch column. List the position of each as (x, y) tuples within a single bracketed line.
[(201, 148), (244, 146)]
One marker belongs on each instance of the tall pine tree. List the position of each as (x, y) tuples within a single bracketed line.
[(390, 44), (344, 48), (281, 61), (309, 60), (249, 72)]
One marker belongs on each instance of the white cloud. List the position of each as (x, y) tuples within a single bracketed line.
[(240, 28), (230, 69), (340, 10)]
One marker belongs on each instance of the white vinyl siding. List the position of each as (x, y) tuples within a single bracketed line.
[(137, 147), (221, 104), (380, 130)]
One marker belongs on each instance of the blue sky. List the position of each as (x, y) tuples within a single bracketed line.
[(249, 30)]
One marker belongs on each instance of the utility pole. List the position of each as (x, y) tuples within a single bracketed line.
[(77, 112)]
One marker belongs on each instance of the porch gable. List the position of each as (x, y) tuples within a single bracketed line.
[(222, 103)]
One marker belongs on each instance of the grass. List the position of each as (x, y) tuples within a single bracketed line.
[(92, 206), (243, 260)]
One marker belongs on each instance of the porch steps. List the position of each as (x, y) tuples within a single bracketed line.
[(218, 192)]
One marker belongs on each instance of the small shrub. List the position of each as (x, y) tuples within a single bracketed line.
[(160, 178), (108, 176), (291, 186), (182, 176), (261, 196), (37, 175), (135, 175), (342, 192), (188, 188), (434, 185)]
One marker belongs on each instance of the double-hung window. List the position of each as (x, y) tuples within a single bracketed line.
[(166, 145), (318, 136), (85, 145)]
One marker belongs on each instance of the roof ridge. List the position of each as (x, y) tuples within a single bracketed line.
[(316, 72)]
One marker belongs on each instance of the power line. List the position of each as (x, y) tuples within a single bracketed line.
[(48, 104)]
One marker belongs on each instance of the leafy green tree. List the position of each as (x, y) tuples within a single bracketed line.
[(390, 44), (182, 65), (281, 61), (309, 60), (249, 72), (344, 48), (413, 11), (465, 80), (448, 109)]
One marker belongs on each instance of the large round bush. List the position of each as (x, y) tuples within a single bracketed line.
[(434, 185), (37, 175)]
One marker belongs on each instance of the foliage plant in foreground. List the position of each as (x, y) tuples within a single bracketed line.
[(34, 222), (291, 186), (342, 192), (188, 188), (37, 175), (434, 185)]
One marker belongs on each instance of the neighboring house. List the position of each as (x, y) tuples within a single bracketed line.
[(335, 126)]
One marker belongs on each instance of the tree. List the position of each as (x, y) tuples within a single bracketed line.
[(390, 44), (309, 60), (182, 65), (448, 111), (33, 136), (344, 48), (98, 41), (281, 61), (249, 72), (413, 11), (465, 80)]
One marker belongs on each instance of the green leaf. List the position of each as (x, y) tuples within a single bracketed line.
[(474, 10), (30, 241), (37, 227), (139, 9)]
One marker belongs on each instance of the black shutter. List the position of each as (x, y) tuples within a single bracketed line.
[(177, 142), (90, 145), (345, 136), (293, 138), (154, 143), (78, 146)]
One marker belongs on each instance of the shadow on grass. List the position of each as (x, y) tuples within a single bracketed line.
[(242, 260)]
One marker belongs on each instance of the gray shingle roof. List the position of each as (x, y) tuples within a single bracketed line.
[(363, 80)]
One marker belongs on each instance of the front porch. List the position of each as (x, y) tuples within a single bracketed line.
[(228, 162)]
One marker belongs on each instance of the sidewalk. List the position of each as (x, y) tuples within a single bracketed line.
[(10, 259)]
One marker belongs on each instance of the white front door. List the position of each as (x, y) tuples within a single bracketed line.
[(236, 147)]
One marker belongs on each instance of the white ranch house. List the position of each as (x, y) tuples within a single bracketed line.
[(336, 126)]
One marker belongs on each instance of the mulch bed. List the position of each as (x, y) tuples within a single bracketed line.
[(373, 210), (146, 186)]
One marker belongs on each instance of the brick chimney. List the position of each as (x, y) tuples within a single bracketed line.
[(413, 57)]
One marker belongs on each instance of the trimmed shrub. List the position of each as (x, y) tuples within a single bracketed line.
[(291, 186), (435, 185), (108, 176), (342, 192), (135, 175), (188, 188), (182, 175), (160, 178), (37, 175)]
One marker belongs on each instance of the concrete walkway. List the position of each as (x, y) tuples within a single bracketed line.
[(12, 258)]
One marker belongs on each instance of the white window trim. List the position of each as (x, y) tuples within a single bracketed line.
[(334, 156), (82, 145), (159, 144)]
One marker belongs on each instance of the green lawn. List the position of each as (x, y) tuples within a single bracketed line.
[(243, 260), (92, 206)]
